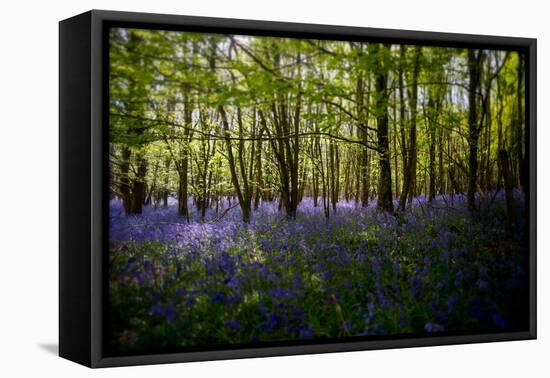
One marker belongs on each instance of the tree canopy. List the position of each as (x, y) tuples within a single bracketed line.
[(210, 116)]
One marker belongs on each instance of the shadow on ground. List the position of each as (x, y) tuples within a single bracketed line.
[(51, 348)]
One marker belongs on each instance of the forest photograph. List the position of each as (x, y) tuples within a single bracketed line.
[(267, 190)]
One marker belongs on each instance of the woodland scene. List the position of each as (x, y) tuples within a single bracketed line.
[(267, 189)]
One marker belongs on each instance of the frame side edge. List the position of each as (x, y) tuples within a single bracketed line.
[(74, 192), (98, 171), (531, 119)]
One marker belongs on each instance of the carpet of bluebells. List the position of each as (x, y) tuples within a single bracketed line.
[(435, 268)]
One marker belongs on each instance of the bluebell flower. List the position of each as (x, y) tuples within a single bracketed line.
[(499, 321), (481, 284), (170, 313), (156, 309), (234, 325), (479, 310), (218, 298), (347, 325), (297, 282), (306, 332), (280, 293), (433, 327), (274, 321), (451, 302)]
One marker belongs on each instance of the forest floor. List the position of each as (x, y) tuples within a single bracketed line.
[(361, 273)]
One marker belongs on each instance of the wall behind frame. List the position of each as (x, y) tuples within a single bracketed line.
[(29, 166)]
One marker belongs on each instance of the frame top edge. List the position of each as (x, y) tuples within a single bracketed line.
[(411, 36)]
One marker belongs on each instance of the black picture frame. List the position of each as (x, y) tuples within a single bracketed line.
[(83, 166)]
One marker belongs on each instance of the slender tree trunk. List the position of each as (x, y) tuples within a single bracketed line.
[(431, 163), (347, 178), (394, 145), (165, 184), (246, 188), (357, 190), (244, 203), (508, 187), (365, 174), (295, 158), (314, 177), (402, 122), (487, 171), (125, 188), (138, 186), (474, 69), (522, 133), (440, 148), (412, 130), (433, 111), (500, 136), (259, 175), (302, 181), (333, 175), (153, 188), (183, 209), (365, 153), (326, 185), (385, 199)]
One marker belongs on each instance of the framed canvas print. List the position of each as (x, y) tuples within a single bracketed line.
[(234, 188)]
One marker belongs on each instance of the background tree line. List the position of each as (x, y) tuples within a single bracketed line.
[(252, 119)]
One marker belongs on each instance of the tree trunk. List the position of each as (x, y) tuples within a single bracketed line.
[(431, 165), (183, 209), (138, 187), (474, 69), (402, 121), (508, 187), (164, 191), (315, 187), (433, 111), (259, 177), (412, 131), (244, 203), (153, 189), (363, 114), (522, 140), (394, 145), (500, 136), (385, 199), (334, 168), (125, 188)]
